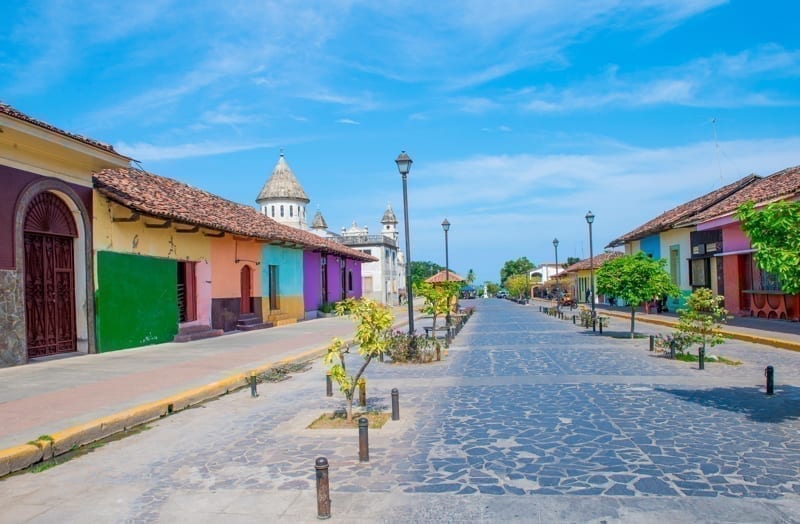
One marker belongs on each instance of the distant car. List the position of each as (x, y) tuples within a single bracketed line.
[(502, 294)]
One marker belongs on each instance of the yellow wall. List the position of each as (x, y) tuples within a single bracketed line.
[(36, 150), (136, 238)]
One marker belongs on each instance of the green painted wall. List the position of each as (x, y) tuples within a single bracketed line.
[(136, 302)]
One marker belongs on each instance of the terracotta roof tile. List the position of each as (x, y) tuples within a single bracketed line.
[(683, 212), (7, 110), (169, 199), (442, 277), (597, 261), (777, 186)]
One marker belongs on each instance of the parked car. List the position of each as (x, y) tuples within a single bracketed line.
[(502, 294)]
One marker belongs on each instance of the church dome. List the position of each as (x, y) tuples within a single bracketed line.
[(319, 221), (282, 184), (388, 216)]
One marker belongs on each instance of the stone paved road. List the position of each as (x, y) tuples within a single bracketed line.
[(528, 419)]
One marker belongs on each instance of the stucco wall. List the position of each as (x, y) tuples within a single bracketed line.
[(290, 279), (312, 281), (651, 245), (137, 302)]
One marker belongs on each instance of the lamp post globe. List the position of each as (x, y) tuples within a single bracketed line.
[(404, 162)]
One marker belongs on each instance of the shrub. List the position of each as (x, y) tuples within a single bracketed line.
[(412, 348), (327, 307), (680, 341)]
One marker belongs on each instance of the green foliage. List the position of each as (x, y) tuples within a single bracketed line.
[(520, 266), (570, 261), (327, 307), (372, 337), (635, 279), (412, 348), (774, 232), (422, 270), (491, 288), (518, 285), (438, 297), (470, 278), (701, 320)]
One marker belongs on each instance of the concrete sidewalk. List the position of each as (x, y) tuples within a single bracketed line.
[(49, 407)]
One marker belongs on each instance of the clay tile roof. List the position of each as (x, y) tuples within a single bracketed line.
[(282, 184), (683, 212), (166, 198), (7, 110), (597, 261), (777, 186), (441, 276)]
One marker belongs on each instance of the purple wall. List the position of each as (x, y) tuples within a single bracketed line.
[(355, 267), (312, 294), (14, 183)]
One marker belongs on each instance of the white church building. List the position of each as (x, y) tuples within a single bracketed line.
[(283, 199)]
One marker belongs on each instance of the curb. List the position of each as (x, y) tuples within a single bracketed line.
[(745, 337), (23, 456)]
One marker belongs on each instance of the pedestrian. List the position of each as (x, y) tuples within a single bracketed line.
[(588, 294)]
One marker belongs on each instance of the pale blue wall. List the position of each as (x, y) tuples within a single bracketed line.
[(651, 246), (290, 270)]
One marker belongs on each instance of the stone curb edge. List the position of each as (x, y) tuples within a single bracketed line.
[(25, 455), (755, 339)]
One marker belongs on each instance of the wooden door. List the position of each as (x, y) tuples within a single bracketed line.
[(246, 289)]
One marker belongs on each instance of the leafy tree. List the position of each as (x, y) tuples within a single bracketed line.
[(520, 266), (491, 288), (422, 270), (570, 261), (700, 321), (438, 297), (372, 336), (774, 232), (518, 285), (635, 279), (470, 278)]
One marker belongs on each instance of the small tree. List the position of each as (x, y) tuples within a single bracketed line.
[(774, 232), (372, 337), (517, 285), (470, 278), (635, 279), (519, 266), (700, 321), (437, 297)]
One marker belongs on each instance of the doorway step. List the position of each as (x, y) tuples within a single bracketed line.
[(251, 322), (196, 332), (276, 318)]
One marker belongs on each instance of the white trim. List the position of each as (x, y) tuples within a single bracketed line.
[(740, 252)]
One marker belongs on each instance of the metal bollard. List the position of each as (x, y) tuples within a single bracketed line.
[(594, 324), (395, 404), (600, 325), (328, 385), (701, 356), (363, 440), (769, 372), (253, 385), (362, 392), (323, 489), (438, 352), (652, 342), (573, 319)]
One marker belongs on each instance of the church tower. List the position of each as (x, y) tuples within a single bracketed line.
[(389, 221), (282, 198)]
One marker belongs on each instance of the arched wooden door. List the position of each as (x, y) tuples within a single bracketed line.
[(49, 277), (247, 290)]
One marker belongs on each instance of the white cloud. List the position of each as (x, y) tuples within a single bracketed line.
[(146, 152), (348, 121)]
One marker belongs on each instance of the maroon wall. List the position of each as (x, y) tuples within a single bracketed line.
[(14, 182)]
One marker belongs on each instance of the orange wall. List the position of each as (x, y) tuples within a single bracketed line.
[(227, 272), (730, 275)]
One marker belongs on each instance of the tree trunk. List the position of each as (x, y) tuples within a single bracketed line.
[(633, 316), (352, 392)]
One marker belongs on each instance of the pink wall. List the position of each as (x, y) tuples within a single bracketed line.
[(734, 239)]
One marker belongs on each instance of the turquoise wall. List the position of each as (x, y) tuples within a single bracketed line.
[(136, 301), (290, 270)]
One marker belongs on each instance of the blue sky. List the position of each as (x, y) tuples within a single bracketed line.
[(520, 116)]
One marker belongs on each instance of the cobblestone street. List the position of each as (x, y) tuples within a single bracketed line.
[(524, 407)]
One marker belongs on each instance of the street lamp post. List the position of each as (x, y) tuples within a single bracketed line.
[(589, 220), (446, 227), (404, 162), (558, 284)]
